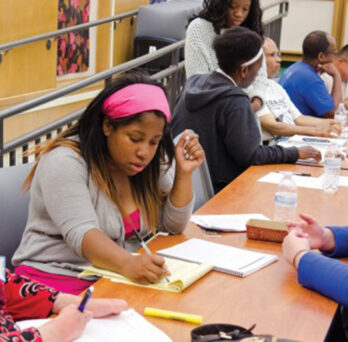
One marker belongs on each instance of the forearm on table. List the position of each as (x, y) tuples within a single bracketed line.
[(281, 129), (306, 120), (102, 252), (324, 275), (64, 299)]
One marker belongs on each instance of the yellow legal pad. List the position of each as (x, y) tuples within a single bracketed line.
[(183, 275)]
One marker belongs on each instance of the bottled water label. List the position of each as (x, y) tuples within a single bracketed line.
[(285, 206), (341, 118), (334, 163), (285, 199), (332, 166)]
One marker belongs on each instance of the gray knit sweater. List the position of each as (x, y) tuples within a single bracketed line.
[(65, 204), (200, 57)]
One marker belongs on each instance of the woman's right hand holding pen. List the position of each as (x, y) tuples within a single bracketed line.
[(145, 268)]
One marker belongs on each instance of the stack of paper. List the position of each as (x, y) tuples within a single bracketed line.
[(126, 327), (236, 261), (318, 143), (225, 223), (183, 274)]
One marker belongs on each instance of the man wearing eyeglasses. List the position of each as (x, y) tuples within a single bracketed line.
[(302, 79), (341, 64), (280, 117)]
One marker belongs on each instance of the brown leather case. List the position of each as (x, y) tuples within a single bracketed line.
[(266, 230)]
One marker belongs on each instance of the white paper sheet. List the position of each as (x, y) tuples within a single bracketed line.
[(226, 223), (129, 326), (301, 181), (324, 142)]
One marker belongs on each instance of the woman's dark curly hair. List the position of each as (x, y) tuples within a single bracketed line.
[(216, 11)]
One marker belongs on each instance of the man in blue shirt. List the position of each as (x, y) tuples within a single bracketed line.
[(302, 81)]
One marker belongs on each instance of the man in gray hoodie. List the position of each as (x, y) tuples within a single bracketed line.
[(216, 107)]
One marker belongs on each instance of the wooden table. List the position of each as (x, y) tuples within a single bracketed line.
[(271, 297)]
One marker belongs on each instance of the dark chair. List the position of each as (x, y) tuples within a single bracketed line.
[(162, 24), (147, 44), (201, 181), (13, 208)]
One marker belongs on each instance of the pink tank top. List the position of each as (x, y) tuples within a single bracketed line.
[(132, 223)]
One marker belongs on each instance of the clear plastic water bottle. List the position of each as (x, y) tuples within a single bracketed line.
[(285, 199), (341, 116), (332, 166)]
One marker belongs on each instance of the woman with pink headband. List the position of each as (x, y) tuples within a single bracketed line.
[(102, 179)]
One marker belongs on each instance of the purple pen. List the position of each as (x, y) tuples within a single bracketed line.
[(86, 299)]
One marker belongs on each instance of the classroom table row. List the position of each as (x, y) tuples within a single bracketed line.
[(270, 297)]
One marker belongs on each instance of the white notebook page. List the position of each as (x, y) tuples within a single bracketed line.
[(237, 261), (129, 326)]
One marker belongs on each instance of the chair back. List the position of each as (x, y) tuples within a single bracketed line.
[(201, 181), (161, 24), (13, 208)]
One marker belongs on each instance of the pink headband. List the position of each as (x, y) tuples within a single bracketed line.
[(134, 99)]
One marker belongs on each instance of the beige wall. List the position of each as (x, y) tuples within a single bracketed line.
[(29, 71), (32, 67)]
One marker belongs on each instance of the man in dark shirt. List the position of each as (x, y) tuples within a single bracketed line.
[(215, 106)]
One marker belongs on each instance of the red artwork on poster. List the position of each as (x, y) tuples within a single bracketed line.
[(73, 48)]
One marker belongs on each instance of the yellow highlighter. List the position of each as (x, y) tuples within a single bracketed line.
[(173, 315)]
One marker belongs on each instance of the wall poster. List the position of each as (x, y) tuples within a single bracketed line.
[(73, 55)]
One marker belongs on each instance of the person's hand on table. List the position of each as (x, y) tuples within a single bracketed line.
[(306, 152), (294, 247), (319, 237)]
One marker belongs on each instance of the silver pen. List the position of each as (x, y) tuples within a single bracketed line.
[(146, 249)]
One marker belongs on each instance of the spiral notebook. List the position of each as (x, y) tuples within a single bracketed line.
[(227, 259), (183, 274)]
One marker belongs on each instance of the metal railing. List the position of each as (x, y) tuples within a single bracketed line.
[(50, 36), (273, 25), (173, 78)]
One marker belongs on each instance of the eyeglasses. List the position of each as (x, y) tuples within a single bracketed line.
[(274, 54)]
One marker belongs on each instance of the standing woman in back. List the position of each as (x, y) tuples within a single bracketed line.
[(216, 16)]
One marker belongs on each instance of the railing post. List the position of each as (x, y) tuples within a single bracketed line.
[(1, 142), (283, 8), (173, 78)]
